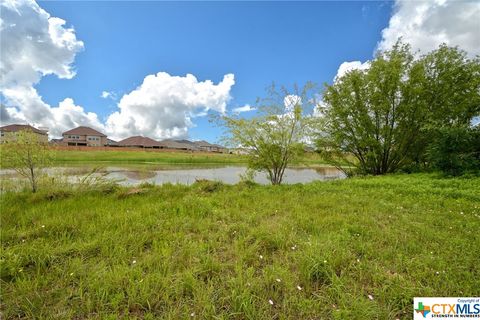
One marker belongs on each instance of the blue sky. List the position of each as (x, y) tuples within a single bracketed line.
[(167, 64), (259, 42)]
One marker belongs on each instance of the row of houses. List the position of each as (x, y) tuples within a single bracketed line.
[(86, 136)]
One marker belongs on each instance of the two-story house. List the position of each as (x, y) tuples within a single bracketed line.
[(8, 133), (84, 136)]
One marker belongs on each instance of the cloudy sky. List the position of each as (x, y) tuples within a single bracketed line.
[(158, 69)]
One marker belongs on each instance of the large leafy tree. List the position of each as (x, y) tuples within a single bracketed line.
[(451, 91), (274, 138), (451, 87), (381, 119), (370, 118)]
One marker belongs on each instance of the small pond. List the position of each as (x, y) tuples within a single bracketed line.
[(184, 174)]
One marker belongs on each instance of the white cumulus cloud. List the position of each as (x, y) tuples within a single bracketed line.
[(34, 45), (427, 24), (32, 109), (290, 101), (163, 105), (108, 94), (245, 108), (348, 66)]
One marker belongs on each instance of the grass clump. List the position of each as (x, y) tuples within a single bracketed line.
[(207, 186), (355, 249)]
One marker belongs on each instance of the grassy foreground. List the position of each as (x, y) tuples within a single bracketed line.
[(352, 249)]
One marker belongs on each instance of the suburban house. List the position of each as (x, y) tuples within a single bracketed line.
[(206, 146), (146, 142), (178, 144), (8, 133), (56, 142), (111, 143), (84, 136), (140, 142)]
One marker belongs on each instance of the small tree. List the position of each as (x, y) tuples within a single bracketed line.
[(27, 155), (274, 138)]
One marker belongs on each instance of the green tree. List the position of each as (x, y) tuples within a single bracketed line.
[(451, 91), (451, 87), (273, 138), (372, 117), (382, 119), (27, 155), (455, 150)]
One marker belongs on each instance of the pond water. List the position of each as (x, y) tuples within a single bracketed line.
[(185, 174)]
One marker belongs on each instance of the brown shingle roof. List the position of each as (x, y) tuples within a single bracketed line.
[(111, 142), (84, 131), (178, 144), (20, 127), (203, 143), (139, 141)]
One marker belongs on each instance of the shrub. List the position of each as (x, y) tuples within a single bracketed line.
[(208, 186), (456, 151)]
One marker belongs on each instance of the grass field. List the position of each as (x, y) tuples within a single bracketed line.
[(78, 155), (142, 156), (360, 248)]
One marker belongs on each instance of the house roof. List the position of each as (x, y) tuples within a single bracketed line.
[(84, 131), (139, 141), (178, 144), (20, 127), (56, 140), (111, 142), (203, 143)]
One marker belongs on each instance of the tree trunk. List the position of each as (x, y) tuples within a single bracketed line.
[(34, 181)]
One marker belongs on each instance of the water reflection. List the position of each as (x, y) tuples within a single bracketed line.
[(229, 174), (160, 174), (139, 174)]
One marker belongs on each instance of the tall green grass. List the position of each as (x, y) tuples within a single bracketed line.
[(355, 249)]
